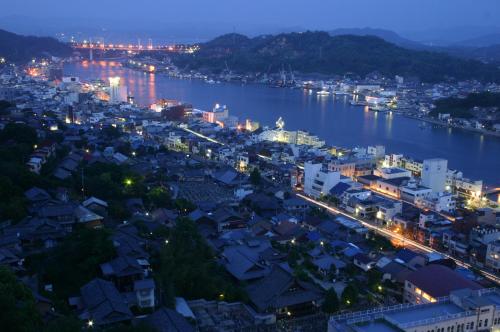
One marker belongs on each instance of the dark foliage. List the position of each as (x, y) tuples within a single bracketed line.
[(17, 48), (75, 262), (461, 107), (17, 305), (318, 52), (188, 267)]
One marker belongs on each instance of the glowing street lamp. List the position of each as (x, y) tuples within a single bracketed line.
[(128, 182)]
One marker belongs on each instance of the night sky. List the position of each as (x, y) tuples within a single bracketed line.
[(248, 16)]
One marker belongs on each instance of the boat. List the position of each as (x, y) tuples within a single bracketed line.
[(378, 108), (323, 93)]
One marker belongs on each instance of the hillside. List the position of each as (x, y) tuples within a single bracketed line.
[(462, 107), (17, 48), (489, 54), (318, 52), (387, 35)]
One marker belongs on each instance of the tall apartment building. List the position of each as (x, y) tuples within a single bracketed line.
[(434, 174), (117, 92)]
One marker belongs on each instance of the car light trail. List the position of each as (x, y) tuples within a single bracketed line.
[(392, 235)]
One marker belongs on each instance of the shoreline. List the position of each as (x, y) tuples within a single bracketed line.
[(446, 125), (396, 111)]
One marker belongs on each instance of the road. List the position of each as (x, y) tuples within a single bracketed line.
[(382, 231), (392, 235)]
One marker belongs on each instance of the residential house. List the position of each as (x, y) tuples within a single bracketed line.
[(168, 320), (101, 304), (283, 294), (433, 281), (145, 293)]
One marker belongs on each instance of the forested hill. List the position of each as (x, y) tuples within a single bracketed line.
[(319, 52), (17, 48)]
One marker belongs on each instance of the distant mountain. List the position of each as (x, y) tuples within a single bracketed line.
[(387, 35), (481, 41), (318, 52), (17, 48), (452, 35), (487, 54)]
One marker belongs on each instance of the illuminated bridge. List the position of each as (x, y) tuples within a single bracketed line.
[(175, 48)]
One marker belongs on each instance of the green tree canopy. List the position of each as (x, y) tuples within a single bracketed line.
[(331, 304), (17, 305), (187, 267), (350, 295), (75, 261), (255, 177)]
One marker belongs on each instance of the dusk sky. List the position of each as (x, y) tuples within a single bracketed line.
[(256, 16)]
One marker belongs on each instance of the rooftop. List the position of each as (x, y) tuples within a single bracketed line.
[(406, 316)]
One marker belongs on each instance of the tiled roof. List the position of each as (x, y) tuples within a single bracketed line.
[(438, 280)]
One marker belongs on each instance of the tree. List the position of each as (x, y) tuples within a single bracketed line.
[(159, 197), (64, 324), (186, 262), (331, 304), (255, 177), (374, 280), (184, 206), (332, 271), (75, 261), (17, 305), (20, 133), (350, 295)]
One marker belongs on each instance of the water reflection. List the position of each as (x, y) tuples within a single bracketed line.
[(335, 120)]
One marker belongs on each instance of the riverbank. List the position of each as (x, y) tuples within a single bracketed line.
[(332, 119), (446, 125)]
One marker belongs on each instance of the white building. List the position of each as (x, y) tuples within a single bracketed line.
[(391, 172), (387, 210), (145, 293), (413, 190), (291, 137), (463, 310), (434, 174), (493, 255), (218, 114), (378, 151), (440, 202), (318, 180), (117, 92)]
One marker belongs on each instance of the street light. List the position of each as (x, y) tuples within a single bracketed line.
[(90, 323)]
